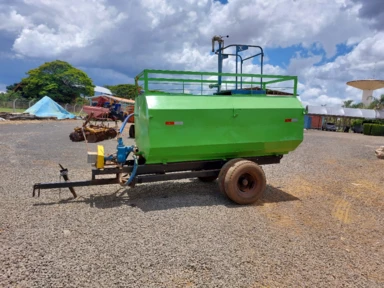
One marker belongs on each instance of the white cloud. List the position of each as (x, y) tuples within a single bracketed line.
[(115, 40), (56, 27), (297, 63), (285, 23), (2, 88), (327, 83), (110, 77), (12, 21)]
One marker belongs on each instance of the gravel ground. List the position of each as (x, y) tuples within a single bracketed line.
[(320, 223)]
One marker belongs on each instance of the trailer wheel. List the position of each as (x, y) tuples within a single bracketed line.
[(132, 131), (245, 182), (207, 178), (223, 172)]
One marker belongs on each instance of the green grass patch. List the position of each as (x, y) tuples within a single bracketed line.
[(10, 110)]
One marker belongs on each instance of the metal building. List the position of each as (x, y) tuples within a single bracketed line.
[(314, 113)]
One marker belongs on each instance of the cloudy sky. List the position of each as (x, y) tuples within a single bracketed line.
[(324, 42)]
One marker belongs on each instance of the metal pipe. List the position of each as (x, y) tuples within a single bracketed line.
[(253, 46), (261, 77), (253, 56), (241, 67), (14, 104), (219, 68), (237, 53), (220, 40), (241, 73)]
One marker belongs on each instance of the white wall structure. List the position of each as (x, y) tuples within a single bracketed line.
[(345, 112), (368, 86), (367, 97), (102, 91)]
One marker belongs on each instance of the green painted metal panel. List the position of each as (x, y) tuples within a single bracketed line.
[(216, 127)]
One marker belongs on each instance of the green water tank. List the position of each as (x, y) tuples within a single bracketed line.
[(177, 128)]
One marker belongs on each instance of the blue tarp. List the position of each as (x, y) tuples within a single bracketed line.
[(46, 107)]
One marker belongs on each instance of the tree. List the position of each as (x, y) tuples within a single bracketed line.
[(347, 103), (13, 87), (357, 105), (377, 103), (123, 90), (14, 91), (10, 95), (58, 80)]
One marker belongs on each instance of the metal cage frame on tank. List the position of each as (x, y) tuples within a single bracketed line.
[(239, 48)]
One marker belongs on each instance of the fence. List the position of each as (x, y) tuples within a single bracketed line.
[(205, 83), (20, 104)]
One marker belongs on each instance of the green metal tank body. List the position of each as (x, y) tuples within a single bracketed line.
[(177, 128)]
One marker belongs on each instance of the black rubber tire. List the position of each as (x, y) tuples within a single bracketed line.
[(207, 178), (245, 182), (223, 172), (132, 131)]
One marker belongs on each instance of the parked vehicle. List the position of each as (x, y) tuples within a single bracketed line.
[(357, 129), (329, 127)]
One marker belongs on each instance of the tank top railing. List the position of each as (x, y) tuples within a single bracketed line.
[(169, 82)]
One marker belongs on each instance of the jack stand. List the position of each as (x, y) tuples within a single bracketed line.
[(64, 174)]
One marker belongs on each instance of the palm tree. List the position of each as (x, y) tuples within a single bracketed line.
[(357, 105), (348, 103), (377, 103)]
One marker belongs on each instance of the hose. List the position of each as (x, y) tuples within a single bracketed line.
[(124, 123), (133, 174)]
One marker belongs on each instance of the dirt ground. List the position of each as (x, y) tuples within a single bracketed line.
[(319, 224)]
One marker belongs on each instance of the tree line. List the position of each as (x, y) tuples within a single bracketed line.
[(377, 103), (67, 84), (62, 82)]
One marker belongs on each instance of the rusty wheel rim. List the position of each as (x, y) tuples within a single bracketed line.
[(246, 183)]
